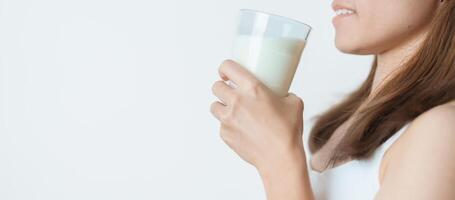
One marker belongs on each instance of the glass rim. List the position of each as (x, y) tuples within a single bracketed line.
[(277, 16)]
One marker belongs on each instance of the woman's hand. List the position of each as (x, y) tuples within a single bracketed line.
[(262, 128)]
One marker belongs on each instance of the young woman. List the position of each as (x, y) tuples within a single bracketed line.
[(391, 139)]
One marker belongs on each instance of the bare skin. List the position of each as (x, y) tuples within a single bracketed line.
[(266, 130), (388, 65), (418, 166), (275, 147)]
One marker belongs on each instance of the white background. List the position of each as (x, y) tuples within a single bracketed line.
[(109, 99)]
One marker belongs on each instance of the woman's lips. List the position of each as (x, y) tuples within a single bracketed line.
[(342, 13)]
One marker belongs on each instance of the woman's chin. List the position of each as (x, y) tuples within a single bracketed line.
[(352, 49), (351, 45)]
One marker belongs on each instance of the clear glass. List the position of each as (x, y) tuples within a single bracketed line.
[(270, 47)]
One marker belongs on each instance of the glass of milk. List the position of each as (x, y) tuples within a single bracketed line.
[(270, 47)]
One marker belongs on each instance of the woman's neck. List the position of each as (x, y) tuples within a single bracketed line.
[(392, 60)]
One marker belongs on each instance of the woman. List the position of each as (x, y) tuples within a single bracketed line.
[(392, 138)]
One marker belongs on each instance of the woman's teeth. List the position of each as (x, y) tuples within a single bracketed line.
[(344, 12)]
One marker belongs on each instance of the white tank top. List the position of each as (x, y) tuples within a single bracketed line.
[(354, 180)]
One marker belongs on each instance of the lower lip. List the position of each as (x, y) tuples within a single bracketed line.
[(340, 17)]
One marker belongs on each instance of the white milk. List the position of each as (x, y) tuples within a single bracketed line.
[(272, 60)]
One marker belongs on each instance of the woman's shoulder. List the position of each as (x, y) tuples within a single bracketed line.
[(424, 151), (438, 121), (432, 128), (436, 125), (435, 119)]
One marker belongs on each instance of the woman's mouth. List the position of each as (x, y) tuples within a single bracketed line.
[(343, 13)]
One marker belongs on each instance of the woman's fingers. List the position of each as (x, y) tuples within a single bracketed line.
[(230, 70), (295, 100), (221, 90), (217, 109)]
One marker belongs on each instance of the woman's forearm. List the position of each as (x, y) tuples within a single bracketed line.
[(288, 179)]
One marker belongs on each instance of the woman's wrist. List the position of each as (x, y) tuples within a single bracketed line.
[(292, 158), (287, 177)]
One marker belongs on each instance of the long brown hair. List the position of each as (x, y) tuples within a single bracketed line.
[(426, 80)]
